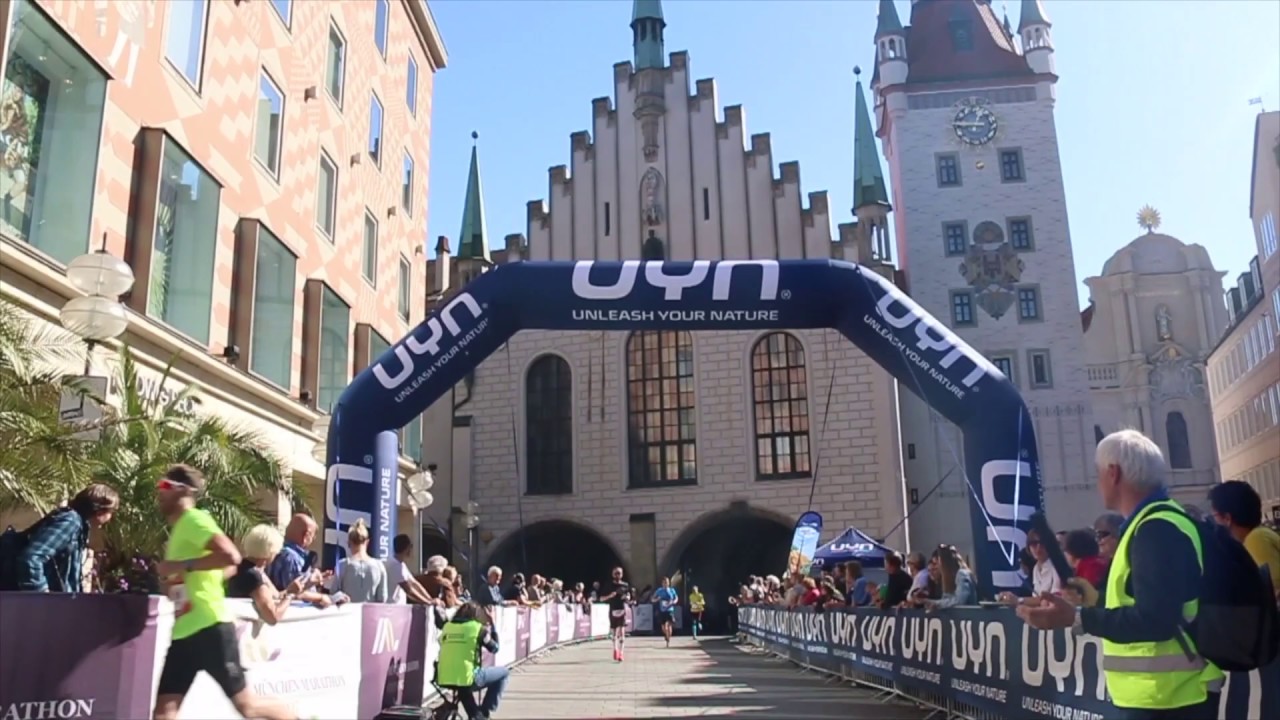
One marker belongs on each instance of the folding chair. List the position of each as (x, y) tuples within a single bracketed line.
[(453, 700)]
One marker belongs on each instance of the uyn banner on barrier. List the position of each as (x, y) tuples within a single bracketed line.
[(979, 658)]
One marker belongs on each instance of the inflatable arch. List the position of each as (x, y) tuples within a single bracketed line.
[(925, 356)]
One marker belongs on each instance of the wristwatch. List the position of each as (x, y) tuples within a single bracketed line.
[(1077, 627), (189, 566)]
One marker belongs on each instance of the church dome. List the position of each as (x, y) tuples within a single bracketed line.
[(1156, 253)]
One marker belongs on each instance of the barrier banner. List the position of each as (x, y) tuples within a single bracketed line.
[(582, 622), (552, 634), (394, 645), (641, 619), (566, 623), (78, 656), (522, 633), (804, 543), (984, 659), (506, 623), (538, 628)]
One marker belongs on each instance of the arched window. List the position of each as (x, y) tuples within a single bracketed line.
[(548, 413), (1175, 429), (661, 417), (780, 394)]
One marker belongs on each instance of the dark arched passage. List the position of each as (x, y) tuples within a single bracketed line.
[(717, 552), (556, 549), (1001, 465), (434, 542)]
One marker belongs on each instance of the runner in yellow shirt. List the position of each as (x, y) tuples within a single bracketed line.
[(697, 605), (195, 566)]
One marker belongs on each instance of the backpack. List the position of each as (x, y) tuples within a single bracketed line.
[(1237, 627)]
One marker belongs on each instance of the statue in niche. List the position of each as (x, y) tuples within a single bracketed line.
[(1164, 324), (651, 197)]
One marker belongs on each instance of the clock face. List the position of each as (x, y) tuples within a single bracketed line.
[(974, 125)]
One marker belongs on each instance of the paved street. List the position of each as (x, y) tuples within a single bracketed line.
[(689, 679)]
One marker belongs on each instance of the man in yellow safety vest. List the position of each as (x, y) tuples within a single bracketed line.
[(1153, 588)]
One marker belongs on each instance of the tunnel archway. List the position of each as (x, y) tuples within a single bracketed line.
[(432, 541), (719, 550), (560, 549)]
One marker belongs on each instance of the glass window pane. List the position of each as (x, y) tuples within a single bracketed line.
[(380, 26), (406, 286), (184, 45), (266, 147), (411, 91), (284, 7), (181, 284), (369, 254), (326, 195), (375, 130), (272, 337), (52, 100), (335, 65), (406, 184), (335, 366), (411, 446)]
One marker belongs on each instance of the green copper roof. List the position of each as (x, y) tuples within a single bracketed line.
[(887, 22), (646, 34), (868, 181), (1032, 14), (473, 239)]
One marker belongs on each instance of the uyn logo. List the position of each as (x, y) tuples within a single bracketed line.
[(409, 349), (342, 518), (384, 637), (673, 286), (1011, 538), (932, 336), (853, 547)]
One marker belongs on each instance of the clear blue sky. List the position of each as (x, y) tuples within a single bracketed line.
[(1152, 102)]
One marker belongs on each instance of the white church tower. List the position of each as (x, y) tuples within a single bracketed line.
[(966, 119)]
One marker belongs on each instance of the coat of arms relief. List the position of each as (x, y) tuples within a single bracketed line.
[(993, 269)]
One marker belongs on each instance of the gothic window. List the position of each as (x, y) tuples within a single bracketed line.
[(661, 415), (1011, 166), (1020, 233), (548, 409), (1175, 428), (780, 393), (1028, 303), (961, 308), (653, 248), (948, 170), (954, 233)]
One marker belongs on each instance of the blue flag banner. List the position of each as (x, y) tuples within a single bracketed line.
[(973, 660), (1001, 465), (804, 543)]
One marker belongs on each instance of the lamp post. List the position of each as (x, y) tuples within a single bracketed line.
[(97, 316), (472, 520)]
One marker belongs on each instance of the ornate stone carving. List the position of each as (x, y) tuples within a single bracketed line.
[(651, 197), (992, 268), (1175, 374), (1164, 324)]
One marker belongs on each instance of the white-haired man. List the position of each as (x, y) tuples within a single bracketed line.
[(1151, 665)]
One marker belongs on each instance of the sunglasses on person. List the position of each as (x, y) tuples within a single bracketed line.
[(1102, 534), (167, 484)]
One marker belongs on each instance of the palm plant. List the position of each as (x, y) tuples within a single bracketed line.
[(238, 466), (40, 456)]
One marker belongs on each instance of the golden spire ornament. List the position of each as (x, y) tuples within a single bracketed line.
[(1149, 218)]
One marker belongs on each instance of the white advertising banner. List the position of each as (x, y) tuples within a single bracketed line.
[(599, 619), (310, 659), (567, 623), (538, 628), (505, 621)]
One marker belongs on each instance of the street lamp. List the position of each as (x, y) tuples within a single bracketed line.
[(97, 316), (472, 521)]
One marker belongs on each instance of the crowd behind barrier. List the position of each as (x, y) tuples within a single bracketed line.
[(970, 662), (100, 656)]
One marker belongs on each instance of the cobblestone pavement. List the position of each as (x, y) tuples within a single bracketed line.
[(708, 678)]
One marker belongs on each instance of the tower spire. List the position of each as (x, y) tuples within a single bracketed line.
[(473, 239), (868, 180), (647, 34), (887, 21)]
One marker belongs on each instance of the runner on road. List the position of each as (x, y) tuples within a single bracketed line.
[(697, 605), (667, 599), (618, 596), (196, 563)]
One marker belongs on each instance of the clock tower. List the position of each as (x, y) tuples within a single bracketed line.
[(965, 113)]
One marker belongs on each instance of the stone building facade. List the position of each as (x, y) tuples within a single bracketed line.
[(965, 109), (1155, 312), (646, 441), (261, 166)]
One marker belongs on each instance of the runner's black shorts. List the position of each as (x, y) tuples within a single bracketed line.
[(214, 650), (662, 618), (617, 619)]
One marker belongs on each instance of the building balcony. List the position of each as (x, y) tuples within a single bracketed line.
[(1103, 376)]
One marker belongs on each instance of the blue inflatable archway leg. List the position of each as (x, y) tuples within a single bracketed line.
[(1001, 465)]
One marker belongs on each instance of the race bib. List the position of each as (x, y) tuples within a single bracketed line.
[(181, 602), (618, 613)]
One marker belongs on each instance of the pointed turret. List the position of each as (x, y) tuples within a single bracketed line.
[(647, 26), (891, 46), (870, 199), (1037, 45), (473, 240)]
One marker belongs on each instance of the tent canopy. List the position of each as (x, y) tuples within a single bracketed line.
[(852, 544)]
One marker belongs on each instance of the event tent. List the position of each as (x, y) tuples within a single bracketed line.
[(852, 544)]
